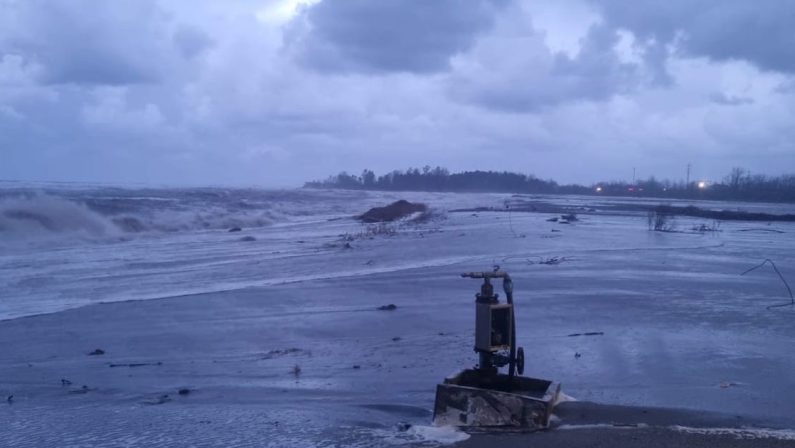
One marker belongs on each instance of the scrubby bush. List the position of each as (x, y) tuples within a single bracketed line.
[(660, 221)]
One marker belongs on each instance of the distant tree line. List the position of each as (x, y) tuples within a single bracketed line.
[(739, 184)]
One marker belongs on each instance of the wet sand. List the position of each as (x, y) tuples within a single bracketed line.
[(363, 371), (306, 358), (625, 438)]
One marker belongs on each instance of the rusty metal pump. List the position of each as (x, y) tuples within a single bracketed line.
[(495, 325), (482, 397)]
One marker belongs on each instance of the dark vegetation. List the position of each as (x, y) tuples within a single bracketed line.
[(660, 221), (440, 179), (720, 215), (739, 184)]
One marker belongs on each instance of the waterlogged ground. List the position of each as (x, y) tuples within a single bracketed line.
[(279, 343)]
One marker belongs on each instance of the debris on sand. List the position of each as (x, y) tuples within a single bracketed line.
[(65, 382), (277, 353), (97, 352), (390, 307), (184, 391), (83, 390), (704, 228), (235, 229), (357, 366), (396, 339), (296, 370), (248, 238), (137, 364), (591, 333), (396, 210), (761, 230), (570, 217), (551, 261), (555, 219), (10, 399)]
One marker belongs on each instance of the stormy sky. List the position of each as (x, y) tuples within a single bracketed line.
[(277, 92)]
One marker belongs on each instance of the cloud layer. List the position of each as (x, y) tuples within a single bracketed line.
[(278, 92)]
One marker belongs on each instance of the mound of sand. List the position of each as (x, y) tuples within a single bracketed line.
[(391, 212)]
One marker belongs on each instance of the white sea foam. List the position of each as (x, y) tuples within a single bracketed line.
[(35, 215), (563, 397), (423, 435), (42, 215), (741, 433)]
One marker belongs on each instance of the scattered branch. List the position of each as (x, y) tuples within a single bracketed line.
[(789, 290)]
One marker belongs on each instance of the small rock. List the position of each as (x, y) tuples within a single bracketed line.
[(184, 391), (577, 355), (10, 399), (390, 307), (396, 338), (248, 238), (65, 382), (403, 426), (296, 370), (357, 366), (347, 246), (235, 229), (83, 390), (97, 352)]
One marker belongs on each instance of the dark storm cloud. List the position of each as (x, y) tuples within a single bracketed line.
[(392, 35), (528, 77), (86, 42), (761, 32), (277, 92)]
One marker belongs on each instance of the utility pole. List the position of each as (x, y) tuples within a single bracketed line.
[(633, 175), (687, 183)]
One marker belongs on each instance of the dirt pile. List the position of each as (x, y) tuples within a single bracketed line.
[(392, 212)]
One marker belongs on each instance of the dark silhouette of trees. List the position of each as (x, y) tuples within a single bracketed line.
[(739, 184), (440, 179)]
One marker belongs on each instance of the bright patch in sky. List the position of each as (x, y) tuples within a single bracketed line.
[(282, 11)]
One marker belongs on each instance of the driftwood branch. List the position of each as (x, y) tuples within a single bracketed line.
[(789, 290)]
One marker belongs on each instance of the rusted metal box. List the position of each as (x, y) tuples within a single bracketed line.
[(471, 398)]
